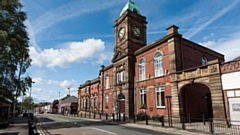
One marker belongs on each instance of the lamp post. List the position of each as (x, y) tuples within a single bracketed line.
[(31, 89)]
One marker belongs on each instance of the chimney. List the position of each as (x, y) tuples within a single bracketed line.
[(172, 30)]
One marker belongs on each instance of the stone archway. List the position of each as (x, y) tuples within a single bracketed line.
[(196, 101), (209, 78)]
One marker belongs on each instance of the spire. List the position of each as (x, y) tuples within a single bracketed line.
[(130, 6)]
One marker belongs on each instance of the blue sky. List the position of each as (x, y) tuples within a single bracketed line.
[(71, 39)]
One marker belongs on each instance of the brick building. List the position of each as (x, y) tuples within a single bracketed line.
[(141, 76)]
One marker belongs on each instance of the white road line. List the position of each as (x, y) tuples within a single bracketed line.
[(111, 133)]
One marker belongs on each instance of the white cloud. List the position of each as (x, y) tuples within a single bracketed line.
[(63, 84), (228, 46), (38, 80), (73, 52)]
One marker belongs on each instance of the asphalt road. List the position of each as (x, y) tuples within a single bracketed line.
[(62, 125)]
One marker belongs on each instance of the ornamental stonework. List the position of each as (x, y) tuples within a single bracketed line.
[(230, 67)]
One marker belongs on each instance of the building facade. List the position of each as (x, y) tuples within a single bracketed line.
[(153, 79), (231, 89)]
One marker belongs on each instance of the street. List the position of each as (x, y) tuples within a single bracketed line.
[(63, 125)]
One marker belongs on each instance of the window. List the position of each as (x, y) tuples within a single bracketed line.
[(95, 102), (158, 65), (204, 61), (120, 74), (143, 98), (107, 81), (142, 70), (106, 101), (160, 101)]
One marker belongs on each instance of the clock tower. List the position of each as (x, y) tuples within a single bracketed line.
[(130, 35), (130, 31)]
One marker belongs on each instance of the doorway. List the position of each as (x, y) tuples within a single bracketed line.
[(196, 102)]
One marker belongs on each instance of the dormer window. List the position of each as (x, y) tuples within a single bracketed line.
[(204, 61)]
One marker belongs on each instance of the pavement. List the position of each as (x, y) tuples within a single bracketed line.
[(46, 131), (20, 127)]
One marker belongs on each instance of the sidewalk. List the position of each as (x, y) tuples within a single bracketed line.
[(20, 127)]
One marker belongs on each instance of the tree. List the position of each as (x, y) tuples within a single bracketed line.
[(14, 48), (28, 103)]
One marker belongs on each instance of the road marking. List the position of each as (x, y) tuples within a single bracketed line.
[(111, 133)]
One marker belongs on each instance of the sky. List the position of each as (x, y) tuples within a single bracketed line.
[(71, 39)]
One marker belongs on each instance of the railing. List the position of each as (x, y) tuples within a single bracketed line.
[(200, 125), (212, 126)]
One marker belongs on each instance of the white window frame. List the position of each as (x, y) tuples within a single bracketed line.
[(107, 81), (160, 90), (142, 101), (142, 72), (158, 64)]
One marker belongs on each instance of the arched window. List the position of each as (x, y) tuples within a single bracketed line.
[(142, 69), (107, 81), (204, 61), (158, 64)]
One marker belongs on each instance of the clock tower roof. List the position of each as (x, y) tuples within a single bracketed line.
[(130, 6)]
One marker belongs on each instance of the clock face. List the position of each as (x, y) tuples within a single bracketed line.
[(136, 31), (121, 33)]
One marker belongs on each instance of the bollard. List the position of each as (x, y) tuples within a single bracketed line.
[(106, 116), (100, 116), (94, 115), (146, 119), (203, 120), (124, 117), (134, 119), (183, 123), (162, 120), (211, 127), (113, 116)]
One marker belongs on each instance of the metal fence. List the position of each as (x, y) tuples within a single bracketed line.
[(200, 125)]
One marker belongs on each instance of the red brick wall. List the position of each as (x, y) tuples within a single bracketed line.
[(192, 54), (108, 91), (151, 82)]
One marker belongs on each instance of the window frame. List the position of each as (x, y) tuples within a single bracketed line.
[(144, 93), (106, 100), (158, 64), (107, 81), (204, 61), (159, 104), (142, 70)]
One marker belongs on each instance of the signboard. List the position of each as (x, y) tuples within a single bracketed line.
[(231, 80), (234, 109)]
